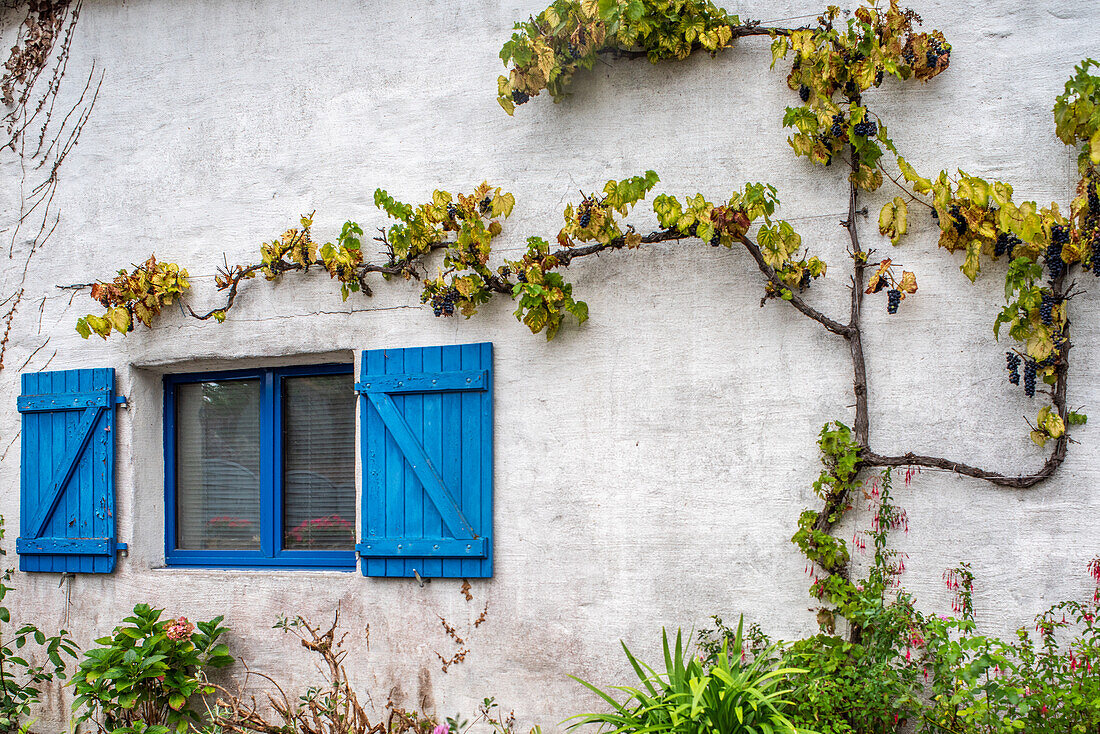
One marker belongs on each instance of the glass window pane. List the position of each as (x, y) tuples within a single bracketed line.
[(218, 465), (319, 463)]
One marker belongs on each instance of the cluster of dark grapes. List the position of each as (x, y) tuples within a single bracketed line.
[(1060, 344), (804, 281), (1092, 222), (1013, 361), (1029, 378), (936, 51), (1046, 308), (453, 213), (838, 125), (521, 276), (893, 299), (444, 303), (1005, 244), (878, 77), (485, 206), (520, 97), (1059, 236), (585, 213), (804, 93), (958, 221), (867, 128)]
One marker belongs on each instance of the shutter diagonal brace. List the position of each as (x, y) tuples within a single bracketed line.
[(422, 466), (65, 471)]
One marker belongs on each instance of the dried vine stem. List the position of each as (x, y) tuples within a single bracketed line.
[(46, 21), (45, 41), (334, 709)]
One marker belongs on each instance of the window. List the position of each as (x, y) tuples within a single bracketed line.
[(261, 468)]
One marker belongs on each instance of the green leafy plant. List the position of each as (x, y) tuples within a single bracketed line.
[(546, 51), (729, 695), (1035, 683), (21, 678), (143, 675)]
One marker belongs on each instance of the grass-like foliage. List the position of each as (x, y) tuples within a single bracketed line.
[(735, 693)]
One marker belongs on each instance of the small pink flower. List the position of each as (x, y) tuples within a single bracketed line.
[(180, 629), (441, 729)]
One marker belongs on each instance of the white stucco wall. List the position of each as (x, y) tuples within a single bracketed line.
[(650, 465)]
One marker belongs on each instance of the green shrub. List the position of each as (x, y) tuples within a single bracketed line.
[(141, 678), (1033, 684)]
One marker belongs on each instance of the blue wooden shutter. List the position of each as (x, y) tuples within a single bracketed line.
[(67, 506), (427, 443)]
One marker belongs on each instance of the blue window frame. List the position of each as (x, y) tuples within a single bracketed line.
[(259, 468)]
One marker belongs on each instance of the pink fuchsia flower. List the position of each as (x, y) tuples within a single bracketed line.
[(441, 729), (180, 629)]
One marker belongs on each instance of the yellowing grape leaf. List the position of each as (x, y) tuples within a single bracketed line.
[(908, 283), (972, 266), (878, 280)]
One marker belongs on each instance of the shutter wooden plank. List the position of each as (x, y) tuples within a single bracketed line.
[(40, 403), (80, 503), (83, 547), (32, 440), (413, 413), (431, 525), (430, 380), (415, 548), (102, 514), (471, 444), (374, 464), (452, 447), (485, 567), (395, 472)]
